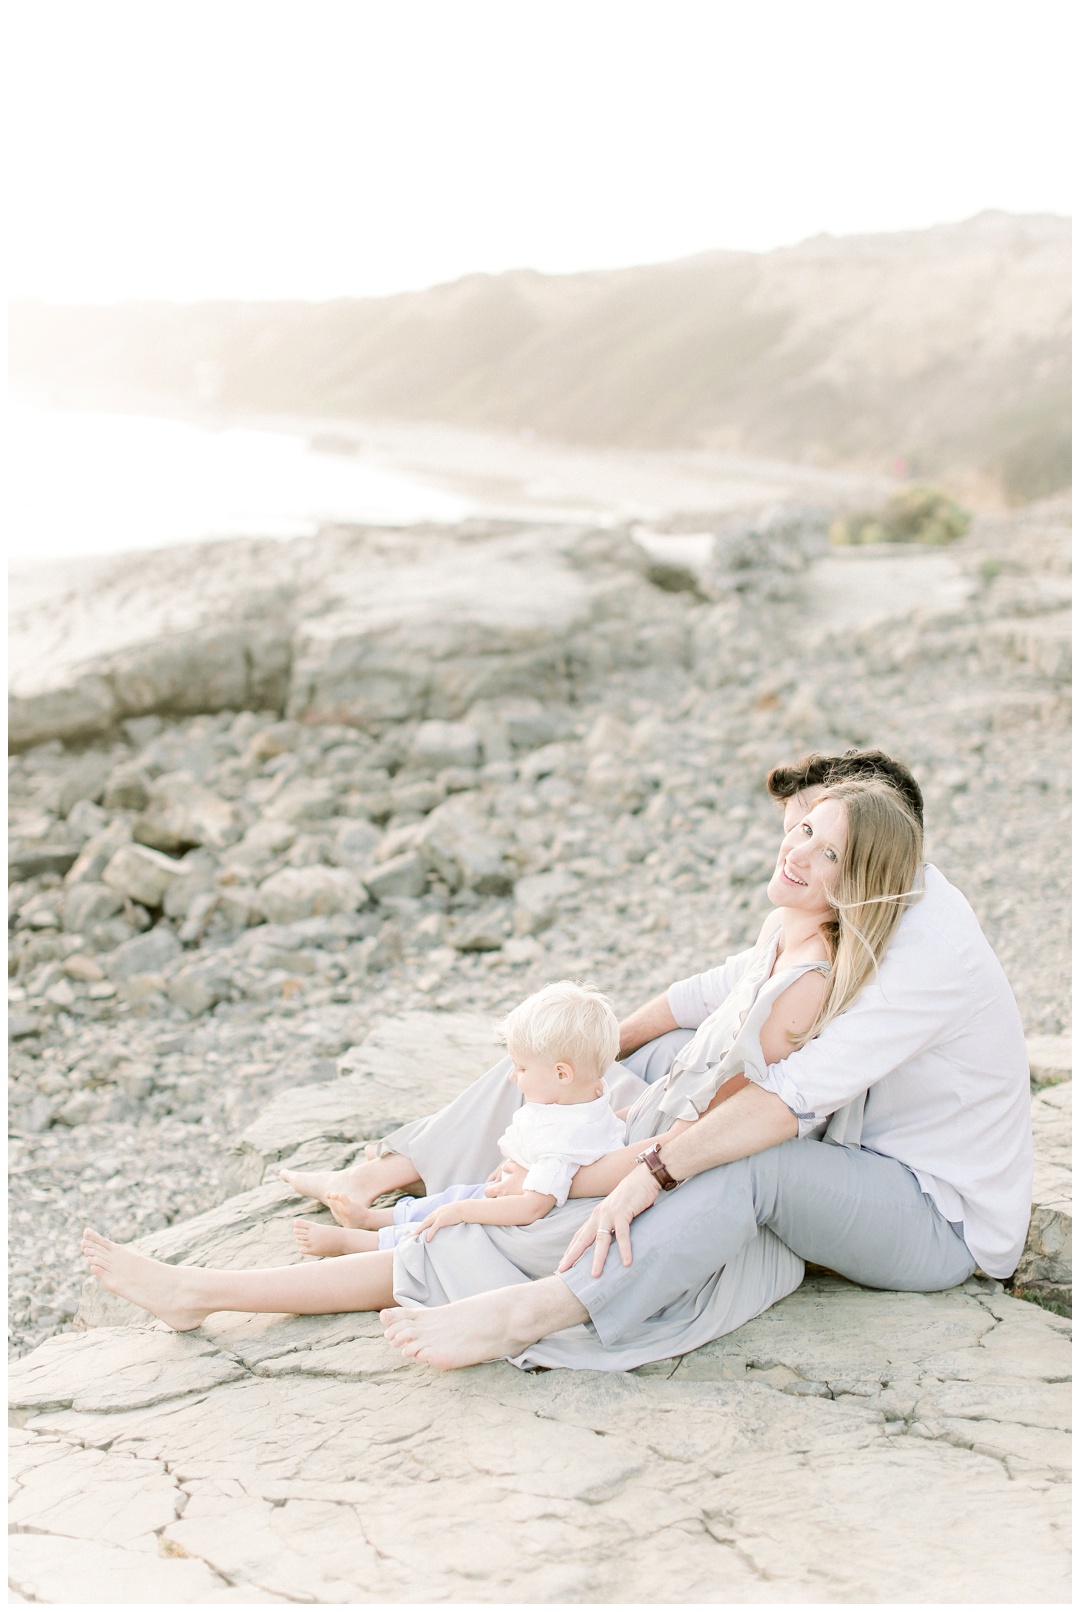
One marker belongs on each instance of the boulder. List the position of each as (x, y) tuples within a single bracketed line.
[(82, 707), (309, 892), (142, 874), (461, 850), (146, 954)]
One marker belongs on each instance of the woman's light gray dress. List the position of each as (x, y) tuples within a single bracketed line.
[(460, 1143)]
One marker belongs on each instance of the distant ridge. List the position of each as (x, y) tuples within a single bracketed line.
[(946, 348)]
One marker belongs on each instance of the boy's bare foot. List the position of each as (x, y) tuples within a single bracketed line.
[(353, 1189), (167, 1291), (488, 1326), (312, 1238)]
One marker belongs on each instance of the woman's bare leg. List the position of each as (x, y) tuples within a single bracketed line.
[(348, 1193), (184, 1295)]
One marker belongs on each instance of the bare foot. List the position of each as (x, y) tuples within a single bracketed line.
[(353, 1189), (461, 1334), (167, 1291), (348, 1212), (328, 1240)]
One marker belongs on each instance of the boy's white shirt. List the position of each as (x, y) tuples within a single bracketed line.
[(554, 1140)]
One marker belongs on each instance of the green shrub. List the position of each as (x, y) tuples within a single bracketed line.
[(917, 514)]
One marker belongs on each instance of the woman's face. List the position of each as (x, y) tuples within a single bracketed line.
[(808, 865)]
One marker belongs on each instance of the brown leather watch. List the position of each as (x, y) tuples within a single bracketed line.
[(652, 1160)]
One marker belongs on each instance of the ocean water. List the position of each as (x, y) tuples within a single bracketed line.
[(106, 483)]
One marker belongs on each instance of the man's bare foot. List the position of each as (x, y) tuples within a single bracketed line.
[(488, 1326), (167, 1291), (354, 1189), (327, 1240)]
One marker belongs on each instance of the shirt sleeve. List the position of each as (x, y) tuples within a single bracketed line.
[(692, 1000), (552, 1173), (917, 999)]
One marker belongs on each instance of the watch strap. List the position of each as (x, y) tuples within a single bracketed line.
[(652, 1161)]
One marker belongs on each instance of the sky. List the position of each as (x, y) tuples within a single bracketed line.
[(323, 148)]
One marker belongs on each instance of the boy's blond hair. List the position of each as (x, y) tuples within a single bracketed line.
[(569, 1020)]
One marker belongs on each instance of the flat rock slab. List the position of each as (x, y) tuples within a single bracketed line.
[(848, 1446), (405, 1067)]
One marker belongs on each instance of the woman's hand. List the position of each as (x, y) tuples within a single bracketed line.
[(635, 1193)]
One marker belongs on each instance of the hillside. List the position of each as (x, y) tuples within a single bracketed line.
[(947, 348)]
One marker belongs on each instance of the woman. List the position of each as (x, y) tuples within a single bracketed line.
[(845, 873)]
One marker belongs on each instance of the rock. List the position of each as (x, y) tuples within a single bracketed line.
[(196, 875), (462, 851), (302, 800), (141, 874), (88, 904), (97, 853), (127, 789), (307, 892), (869, 1430), (199, 988), (404, 875), (538, 899), (21, 1025), (436, 745), (80, 966), (85, 781), (615, 783), (401, 1064), (182, 813), (481, 931), (54, 1568), (84, 820), (146, 954), (35, 859), (81, 707), (1050, 1058), (1045, 1266), (354, 844)]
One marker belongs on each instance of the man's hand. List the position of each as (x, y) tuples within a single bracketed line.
[(509, 1180), (449, 1214), (635, 1193)]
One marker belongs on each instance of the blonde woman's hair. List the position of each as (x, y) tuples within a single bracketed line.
[(568, 1020), (881, 875)]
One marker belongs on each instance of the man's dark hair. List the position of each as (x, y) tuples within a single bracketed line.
[(815, 771)]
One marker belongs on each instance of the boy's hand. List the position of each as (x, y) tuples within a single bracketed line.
[(450, 1214), (510, 1182)]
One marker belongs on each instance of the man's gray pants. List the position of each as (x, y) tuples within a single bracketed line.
[(857, 1213)]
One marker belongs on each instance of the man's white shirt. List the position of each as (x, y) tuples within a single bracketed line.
[(935, 1040)]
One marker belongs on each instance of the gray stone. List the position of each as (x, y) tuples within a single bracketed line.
[(538, 899), (201, 986), (480, 931), (145, 954), (85, 820), (142, 874), (404, 875), (309, 892), (81, 707), (97, 853), (84, 781), (28, 862), (462, 850), (445, 744), (127, 788), (354, 843), (1050, 1058), (182, 812)]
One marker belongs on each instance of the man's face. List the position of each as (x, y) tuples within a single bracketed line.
[(797, 806)]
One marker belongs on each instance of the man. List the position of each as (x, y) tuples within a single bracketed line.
[(938, 1182)]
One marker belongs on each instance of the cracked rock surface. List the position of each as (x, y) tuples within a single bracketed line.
[(847, 1446)]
